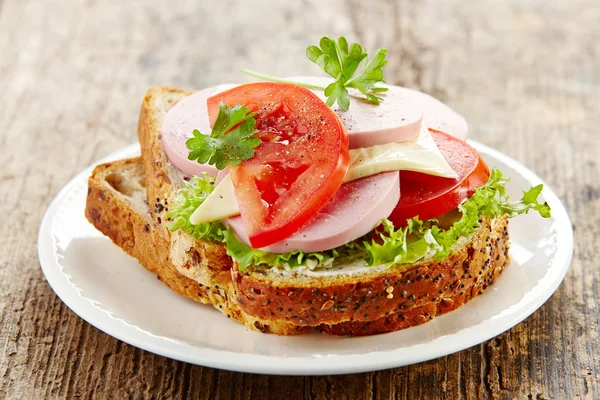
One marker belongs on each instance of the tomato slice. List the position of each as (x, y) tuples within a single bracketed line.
[(297, 168), (431, 196)]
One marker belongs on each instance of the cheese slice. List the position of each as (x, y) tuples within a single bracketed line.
[(220, 204), (421, 155)]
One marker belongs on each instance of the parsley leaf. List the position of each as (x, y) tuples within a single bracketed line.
[(230, 141), (341, 61), (370, 75)]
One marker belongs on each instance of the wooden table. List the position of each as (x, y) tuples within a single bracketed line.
[(72, 76)]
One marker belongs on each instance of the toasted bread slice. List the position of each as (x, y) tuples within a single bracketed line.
[(163, 180), (116, 205), (368, 300)]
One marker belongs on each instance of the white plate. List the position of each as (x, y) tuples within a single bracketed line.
[(113, 292)]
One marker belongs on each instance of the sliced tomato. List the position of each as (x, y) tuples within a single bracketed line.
[(297, 168), (431, 196)]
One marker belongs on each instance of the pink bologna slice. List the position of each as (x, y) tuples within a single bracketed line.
[(438, 116), (397, 118), (355, 209), (188, 114)]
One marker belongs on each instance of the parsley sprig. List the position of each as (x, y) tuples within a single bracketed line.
[(230, 141), (342, 61)]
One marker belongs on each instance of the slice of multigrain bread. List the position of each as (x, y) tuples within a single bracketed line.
[(367, 301), (116, 205)]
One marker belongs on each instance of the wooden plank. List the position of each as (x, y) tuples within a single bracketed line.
[(72, 75)]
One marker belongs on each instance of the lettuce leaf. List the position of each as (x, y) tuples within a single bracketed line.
[(385, 245), (246, 256), (419, 238), (187, 199), (196, 191)]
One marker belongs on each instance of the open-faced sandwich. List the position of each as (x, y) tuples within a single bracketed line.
[(339, 204)]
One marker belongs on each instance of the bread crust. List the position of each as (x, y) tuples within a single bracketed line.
[(373, 296), (162, 178), (470, 281)]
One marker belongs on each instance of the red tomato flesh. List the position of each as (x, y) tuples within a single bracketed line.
[(297, 168), (431, 196)]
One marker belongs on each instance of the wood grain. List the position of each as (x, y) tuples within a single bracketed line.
[(72, 75)]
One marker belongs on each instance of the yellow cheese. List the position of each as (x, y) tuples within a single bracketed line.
[(220, 204), (421, 155)]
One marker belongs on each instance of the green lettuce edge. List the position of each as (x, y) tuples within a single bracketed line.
[(385, 245), (186, 201)]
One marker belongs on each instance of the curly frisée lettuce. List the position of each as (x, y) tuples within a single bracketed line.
[(187, 199), (385, 245), (420, 238), (197, 190), (246, 256)]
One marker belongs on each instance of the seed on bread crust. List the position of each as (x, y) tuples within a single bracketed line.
[(327, 305), (413, 316)]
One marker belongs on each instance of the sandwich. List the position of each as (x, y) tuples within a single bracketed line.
[(342, 204)]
